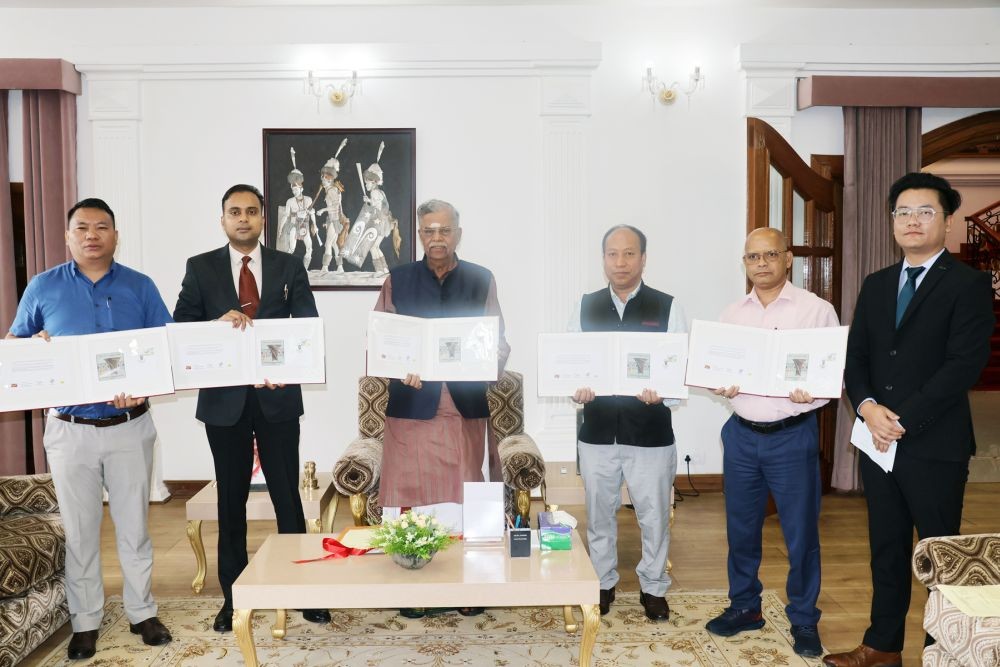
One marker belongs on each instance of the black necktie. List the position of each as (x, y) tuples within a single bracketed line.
[(906, 294)]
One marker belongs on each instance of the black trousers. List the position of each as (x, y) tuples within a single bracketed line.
[(918, 493), (232, 452)]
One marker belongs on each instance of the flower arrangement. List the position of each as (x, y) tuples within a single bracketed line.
[(415, 535)]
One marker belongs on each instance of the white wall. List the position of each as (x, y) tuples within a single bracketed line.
[(15, 130), (204, 93)]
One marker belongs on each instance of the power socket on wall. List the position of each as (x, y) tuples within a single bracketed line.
[(688, 459)]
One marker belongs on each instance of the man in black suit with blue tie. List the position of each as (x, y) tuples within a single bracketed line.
[(240, 282), (919, 340)]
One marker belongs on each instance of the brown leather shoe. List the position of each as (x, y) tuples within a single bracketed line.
[(864, 656), (607, 597), (656, 607), (153, 632), (83, 645)]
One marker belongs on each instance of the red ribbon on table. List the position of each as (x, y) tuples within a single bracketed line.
[(336, 549)]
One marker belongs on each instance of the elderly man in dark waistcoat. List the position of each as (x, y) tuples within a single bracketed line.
[(628, 438), (435, 432)]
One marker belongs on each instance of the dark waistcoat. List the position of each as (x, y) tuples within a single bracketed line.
[(625, 419), (417, 292)]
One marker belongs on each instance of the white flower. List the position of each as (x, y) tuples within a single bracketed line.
[(403, 524)]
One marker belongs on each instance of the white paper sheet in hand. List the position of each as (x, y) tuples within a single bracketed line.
[(861, 438)]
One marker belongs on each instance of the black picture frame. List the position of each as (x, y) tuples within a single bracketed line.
[(313, 149)]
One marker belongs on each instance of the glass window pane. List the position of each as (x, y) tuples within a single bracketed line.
[(775, 182), (798, 277), (798, 219)]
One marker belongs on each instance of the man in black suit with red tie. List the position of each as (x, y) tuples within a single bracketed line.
[(240, 282), (919, 340)]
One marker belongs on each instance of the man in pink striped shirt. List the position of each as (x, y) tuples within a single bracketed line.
[(772, 445)]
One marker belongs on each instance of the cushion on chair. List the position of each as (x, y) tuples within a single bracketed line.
[(373, 511), (27, 494), (960, 560), (523, 467), (358, 469), (373, 398), (32, 550), (28, 620), (935, 656), (506, 403), (965, 639)]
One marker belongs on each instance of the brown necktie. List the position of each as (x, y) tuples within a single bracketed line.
[(249, 299)]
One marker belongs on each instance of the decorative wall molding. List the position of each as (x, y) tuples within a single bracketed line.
[(771, 71), (565, 114), (337, 60)]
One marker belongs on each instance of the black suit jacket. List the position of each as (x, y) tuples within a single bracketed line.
[(208, 292), (923, 370)]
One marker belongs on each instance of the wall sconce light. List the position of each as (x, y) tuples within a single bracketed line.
[(337, 94), (668, 93)]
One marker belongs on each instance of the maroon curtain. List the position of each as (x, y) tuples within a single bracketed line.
[(12, 440), (49, 191), (49, 175), (880, 145)]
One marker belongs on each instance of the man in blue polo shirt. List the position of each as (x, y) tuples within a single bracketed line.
[(97, 446)]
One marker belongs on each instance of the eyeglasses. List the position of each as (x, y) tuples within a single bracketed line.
[(770, 255), (430, 232), (924, 215)]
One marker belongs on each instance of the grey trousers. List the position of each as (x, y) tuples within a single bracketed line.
[(84, 461), (649, 473)]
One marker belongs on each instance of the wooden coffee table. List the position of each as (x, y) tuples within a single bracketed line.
[(462, 575), (203, 506)]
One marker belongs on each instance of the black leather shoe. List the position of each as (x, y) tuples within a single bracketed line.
[(223, 620), (316, 615), (412, 612), (83, 645), (153, 632), (656, 607), (607, 597), (470, 611)]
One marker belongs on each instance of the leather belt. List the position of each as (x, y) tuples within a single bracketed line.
[(766, 428), (137, 411)]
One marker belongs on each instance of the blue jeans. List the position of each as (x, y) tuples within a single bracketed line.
[(786, 464)]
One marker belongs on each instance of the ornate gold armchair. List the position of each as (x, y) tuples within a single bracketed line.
[(513, 455)]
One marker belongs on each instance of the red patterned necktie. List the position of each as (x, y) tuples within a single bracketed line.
[(249, 298)]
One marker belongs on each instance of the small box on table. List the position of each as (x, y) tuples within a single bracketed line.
[(553, 536)]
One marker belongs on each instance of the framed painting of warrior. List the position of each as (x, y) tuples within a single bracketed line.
[(342, 201)]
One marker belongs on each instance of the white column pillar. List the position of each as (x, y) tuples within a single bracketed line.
[(565, 116), (771, 95), (115, 114)]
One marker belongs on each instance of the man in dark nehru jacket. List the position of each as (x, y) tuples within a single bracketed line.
[(628, 438)]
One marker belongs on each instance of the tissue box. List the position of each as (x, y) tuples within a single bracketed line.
[(553, 536)]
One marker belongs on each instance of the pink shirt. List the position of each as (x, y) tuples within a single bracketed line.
[(795, 308)]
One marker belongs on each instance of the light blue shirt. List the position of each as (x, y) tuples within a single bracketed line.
[(65, 302)]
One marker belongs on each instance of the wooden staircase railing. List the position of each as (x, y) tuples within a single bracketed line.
[(982, 248)]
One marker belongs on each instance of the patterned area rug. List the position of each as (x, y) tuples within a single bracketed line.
[(509, 637)]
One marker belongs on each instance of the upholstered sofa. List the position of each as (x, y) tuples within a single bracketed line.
[(32, 561), (965, 560), (513, 455)]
